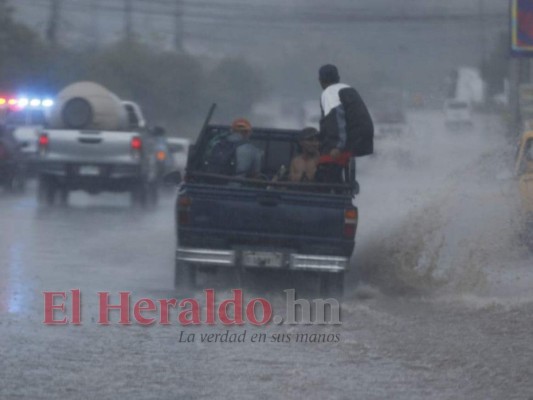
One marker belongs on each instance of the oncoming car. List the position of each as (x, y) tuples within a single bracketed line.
[(457, 114)]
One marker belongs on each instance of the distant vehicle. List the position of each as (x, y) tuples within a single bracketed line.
[(179, 149), (457, 114), (28, 137), (388, 112), (163, 156), (95, 142), (225, 222), (26, 117), (466, 84), (12, 162), (524, 172)]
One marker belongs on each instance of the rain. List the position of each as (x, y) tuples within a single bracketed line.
[(437, 299)]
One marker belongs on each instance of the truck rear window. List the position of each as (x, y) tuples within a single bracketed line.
[(278, 146), (276, 153)]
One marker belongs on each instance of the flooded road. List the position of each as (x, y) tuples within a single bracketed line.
[(444, 311)]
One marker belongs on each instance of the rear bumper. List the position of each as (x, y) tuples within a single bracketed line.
[(105, 177), (74, 170), (233, 258)]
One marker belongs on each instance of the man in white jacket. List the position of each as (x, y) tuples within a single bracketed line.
[(346, 128)]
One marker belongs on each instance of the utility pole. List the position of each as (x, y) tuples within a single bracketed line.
[(95, 26), (128, 19), (178, 26), (53, 21), (482, 36)]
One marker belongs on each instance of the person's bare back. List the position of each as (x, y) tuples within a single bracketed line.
[(303, 169)]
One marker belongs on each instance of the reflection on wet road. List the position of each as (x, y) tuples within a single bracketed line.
[(458, 341)]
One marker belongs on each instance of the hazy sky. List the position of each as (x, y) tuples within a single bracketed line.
[(288, 40)]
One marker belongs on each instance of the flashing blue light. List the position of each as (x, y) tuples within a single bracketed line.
[(24, 101)]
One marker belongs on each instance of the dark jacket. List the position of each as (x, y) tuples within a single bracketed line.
[(346, 123)]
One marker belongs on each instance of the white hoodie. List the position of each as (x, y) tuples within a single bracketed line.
[(330, 97)]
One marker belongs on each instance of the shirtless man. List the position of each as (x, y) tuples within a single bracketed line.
[(303, 166)]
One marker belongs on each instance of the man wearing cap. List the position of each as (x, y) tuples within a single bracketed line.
[(303, 166), (248, 158), (346, 128)]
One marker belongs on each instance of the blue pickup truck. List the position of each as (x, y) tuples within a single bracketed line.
[(245, 224)]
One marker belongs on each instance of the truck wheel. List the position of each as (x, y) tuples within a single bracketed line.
[(332, 285), (46, 191), (184, 275)]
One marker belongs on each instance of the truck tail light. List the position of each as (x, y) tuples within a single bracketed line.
[(184, 208), (136, 143), (44, 142), (161, 155), (350, 222)]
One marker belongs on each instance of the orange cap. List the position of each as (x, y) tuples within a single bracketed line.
[(241, 125)]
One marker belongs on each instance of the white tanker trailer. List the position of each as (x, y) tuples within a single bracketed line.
[(88, 105)]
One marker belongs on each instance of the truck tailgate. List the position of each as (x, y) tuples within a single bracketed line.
[(89, 146), (268, 217)]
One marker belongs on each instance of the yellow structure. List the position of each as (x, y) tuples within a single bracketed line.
[(524, 172)]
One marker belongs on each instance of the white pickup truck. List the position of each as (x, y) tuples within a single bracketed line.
[(95, 142)]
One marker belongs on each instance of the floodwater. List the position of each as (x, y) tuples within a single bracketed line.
[(444, 309)]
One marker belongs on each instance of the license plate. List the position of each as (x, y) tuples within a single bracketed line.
[(89, 170), (262, 259)]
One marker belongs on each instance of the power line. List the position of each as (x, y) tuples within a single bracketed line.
[(178, 26), (223, 13), (182, 13), (128, 21)]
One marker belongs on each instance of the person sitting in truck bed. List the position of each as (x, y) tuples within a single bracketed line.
[(303, 166), (234, 155)]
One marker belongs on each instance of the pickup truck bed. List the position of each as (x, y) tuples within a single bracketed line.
[(225, 217)]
